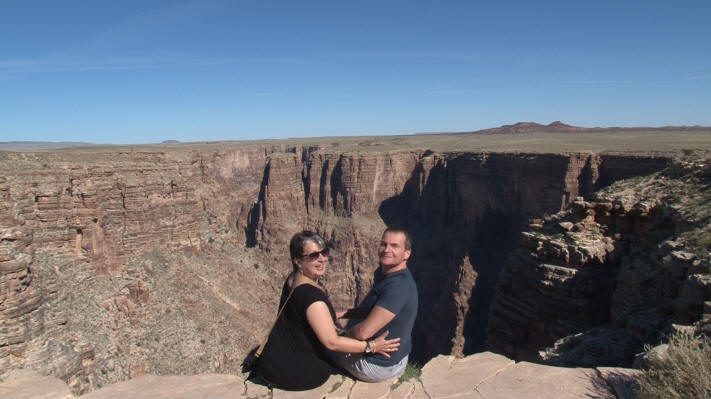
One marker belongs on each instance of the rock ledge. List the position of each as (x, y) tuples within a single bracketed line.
[(482, 376)]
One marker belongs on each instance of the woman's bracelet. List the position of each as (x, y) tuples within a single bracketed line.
[(370, 346)]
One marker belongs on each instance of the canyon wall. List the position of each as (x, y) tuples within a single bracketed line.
[(594, 283), (116, 264)]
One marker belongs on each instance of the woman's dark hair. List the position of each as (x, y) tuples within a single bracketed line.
[(299, 241)]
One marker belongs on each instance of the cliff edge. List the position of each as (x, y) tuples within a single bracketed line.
[(483, 376)]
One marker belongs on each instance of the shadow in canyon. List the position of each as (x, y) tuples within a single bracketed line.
[(494, 237), (257, 211), (466, 215), (457, 256)]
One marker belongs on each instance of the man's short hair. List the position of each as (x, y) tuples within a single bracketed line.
[(403, 230)]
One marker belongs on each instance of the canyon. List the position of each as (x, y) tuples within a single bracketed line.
[(118, 262)]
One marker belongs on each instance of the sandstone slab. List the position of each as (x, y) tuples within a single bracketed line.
[(255, 389), (332, 384), (481, 376), (27, 384), (445, 376), (374, 390), (528, 381), (174, 387), (343, 390), (411, 389)]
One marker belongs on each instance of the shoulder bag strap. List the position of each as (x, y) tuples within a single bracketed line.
[(264, 343)]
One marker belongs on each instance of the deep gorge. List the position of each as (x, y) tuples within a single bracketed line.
[(116, 264)]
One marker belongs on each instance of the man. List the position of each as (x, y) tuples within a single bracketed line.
[(390, 306)]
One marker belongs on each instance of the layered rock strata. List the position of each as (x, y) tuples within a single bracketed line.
[(592, 284), (118, 264)]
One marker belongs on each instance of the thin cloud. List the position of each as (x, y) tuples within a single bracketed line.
[(34, 66), (18, 67), (260, 94), (437, 88), (133, 31), (400, 55), (95, 52), (691, 78), (592, 82)]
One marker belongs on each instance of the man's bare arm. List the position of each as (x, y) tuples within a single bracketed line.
[(378, 318)]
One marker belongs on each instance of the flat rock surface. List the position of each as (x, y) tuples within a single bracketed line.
[(481, 376), (343, 390), (528, 380), (173, 387), (411, 389), (445, 376), (332, 384), (28, 384)]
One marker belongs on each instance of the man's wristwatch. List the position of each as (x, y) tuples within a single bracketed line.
[(368, 349)]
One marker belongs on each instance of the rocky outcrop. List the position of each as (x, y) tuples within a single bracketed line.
[(469, 209), (592, 284), (484, 375), (117, 264), (33, 331)]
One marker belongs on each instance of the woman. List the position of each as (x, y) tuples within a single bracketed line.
[(295, 355)]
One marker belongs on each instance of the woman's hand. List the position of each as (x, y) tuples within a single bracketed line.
[(386, 346), (340, 314)]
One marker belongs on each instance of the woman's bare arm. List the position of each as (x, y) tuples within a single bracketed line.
[(319, 318)]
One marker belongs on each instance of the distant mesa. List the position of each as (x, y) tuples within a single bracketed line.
[(170, 142), (529, 127), (560, 127)]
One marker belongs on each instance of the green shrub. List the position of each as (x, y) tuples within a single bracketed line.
[(336, 386), (684, 372), (704, 240), (413, 370)]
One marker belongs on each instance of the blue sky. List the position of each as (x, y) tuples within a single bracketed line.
[(145, 71)]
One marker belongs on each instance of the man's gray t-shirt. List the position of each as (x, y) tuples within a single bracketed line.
[(396, 292)]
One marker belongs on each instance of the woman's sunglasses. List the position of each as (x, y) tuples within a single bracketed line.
[(313, 256)]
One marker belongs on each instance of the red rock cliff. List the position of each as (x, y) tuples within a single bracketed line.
[(594, 283), (116, 264)]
